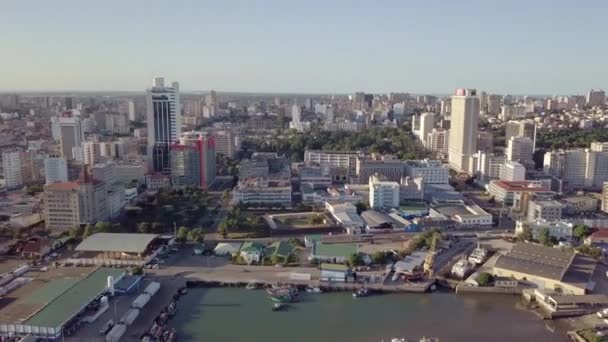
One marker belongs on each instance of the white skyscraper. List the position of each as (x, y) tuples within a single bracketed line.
[(163, 112), (427, 123), (55, 169), (520, 149), (463, 130), (11, 166)]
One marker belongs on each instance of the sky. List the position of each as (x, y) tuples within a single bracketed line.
[(307, 46)]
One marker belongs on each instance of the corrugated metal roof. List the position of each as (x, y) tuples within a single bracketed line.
[(116, 242)]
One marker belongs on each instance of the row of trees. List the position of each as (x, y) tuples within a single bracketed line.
[(195, 235), (239, 222), (385, 140)]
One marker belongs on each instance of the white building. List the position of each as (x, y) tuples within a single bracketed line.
[(438, 141), (548, 210), (579, 169), (11, 166), (512, 171), (163, 110), (432, 171), (263, 191), (346, 161), (463, 130), (411, 189), (383, 194), (559, 229), (489, 166), (520, 149), (70, 134), (55, 169)]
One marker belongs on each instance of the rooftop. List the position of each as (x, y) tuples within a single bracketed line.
[(546, 262), (374, 218), (116, 242), (280, 248), (519, 185), (334, 267), (338, 250), (63, 186), (70, 302)]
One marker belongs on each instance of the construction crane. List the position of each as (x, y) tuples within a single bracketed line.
[(429, 260)]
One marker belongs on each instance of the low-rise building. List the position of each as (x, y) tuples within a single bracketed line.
[(432, 171), (346, 216), (558, 229), (580, 205), (156, 181), (549, 210), (252, 252), (383, 194), (465, 215), (547, 268), (335, 273), (377, 222), (505, 191)]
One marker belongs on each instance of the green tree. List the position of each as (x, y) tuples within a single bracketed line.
[(103, 227), (276, 259), (526, 234), (545, 238), (144, 227), (196, 235), (361, 207), (34, 189), (355, 259), (379, 257), (137, 270), (76, 232), (295, 242), (484, 279), (88, 231), (225, 195), (581, 231), (182, 234)]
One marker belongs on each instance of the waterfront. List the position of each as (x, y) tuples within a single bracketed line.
[(231, 314)]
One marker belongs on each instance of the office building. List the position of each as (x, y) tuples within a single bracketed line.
[(385, 166), (437, 141), (549, 210), (70, 134), (463, 130), (524, 128), (383, 194), (55, 169), (11, 167), (424, 124), (493, 104), (579, 169), (193, 160), (164, 123), (520, 149), (485, 141), (596, 97), (431, 171), (92, 152), (226, 142), (512, 171), (340, 163), (489, 166)]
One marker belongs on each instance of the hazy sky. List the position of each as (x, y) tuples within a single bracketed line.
[(533, 46)]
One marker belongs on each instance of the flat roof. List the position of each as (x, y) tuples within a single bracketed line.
[(334, 267), (339, 250), (374, 218), (519, 186), (547, 262), (452, 209), (116, 242), (70, 302)]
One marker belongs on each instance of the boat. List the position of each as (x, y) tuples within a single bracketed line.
[(278, 306), (314, 290), (362, 292), (283, 299), (478, 256), (251, 286)]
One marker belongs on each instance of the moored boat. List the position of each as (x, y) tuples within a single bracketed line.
[(362, 292)]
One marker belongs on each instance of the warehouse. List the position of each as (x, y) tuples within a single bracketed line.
[(47, 310), (119, 249), (547, 268)]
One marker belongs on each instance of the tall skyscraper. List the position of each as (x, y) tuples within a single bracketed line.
[(11, 166), (596, 97), (70, 134), (463, 130), (164, 123), (55, 169), (193, 160)]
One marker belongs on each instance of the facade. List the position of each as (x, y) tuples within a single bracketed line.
[(67, 204), (263, 191), (512, 171), (596, 97), (548, 210), (389, 168), (164, 123), (11, 166), (127, 172), (225, 143), (558, 229), (437, 141), (193, 160), (463, 130), (55, 169), (432, 171), (506, 192), (523, 128), (338, 161), (520, 149), (155, 181), (489, 166), (383, 194), (579, 169), (411, 189), (70, 134), (92, 152), (605, 197)]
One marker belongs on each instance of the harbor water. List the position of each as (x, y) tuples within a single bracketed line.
[(233, 314)]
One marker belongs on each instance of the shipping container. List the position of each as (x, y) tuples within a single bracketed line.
[(116, 333), (129, 316), (152, 288), (141, 301)]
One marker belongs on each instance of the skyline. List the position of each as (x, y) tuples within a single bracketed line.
[(311, 48)]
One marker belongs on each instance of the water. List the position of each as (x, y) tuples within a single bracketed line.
[(231, 314)]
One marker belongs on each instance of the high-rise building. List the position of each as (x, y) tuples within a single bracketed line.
[(524, 128), (437, 141), (579, 169), (596, 97), (388, 168), (493, 104), (463, 130), (92, 152), (604, 205), (164, 123), (426, 123), (70, 134), (193, 160), (225, 142), (489, 166), (520, 149), (485, 141), (55, 169), (67, 204), (11, 166)]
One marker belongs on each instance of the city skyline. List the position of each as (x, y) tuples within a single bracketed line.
[(310, 47)]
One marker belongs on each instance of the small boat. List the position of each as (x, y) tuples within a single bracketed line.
[(314, 290), (283, 299), (278, 306), (362, 292), (251, 286)]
